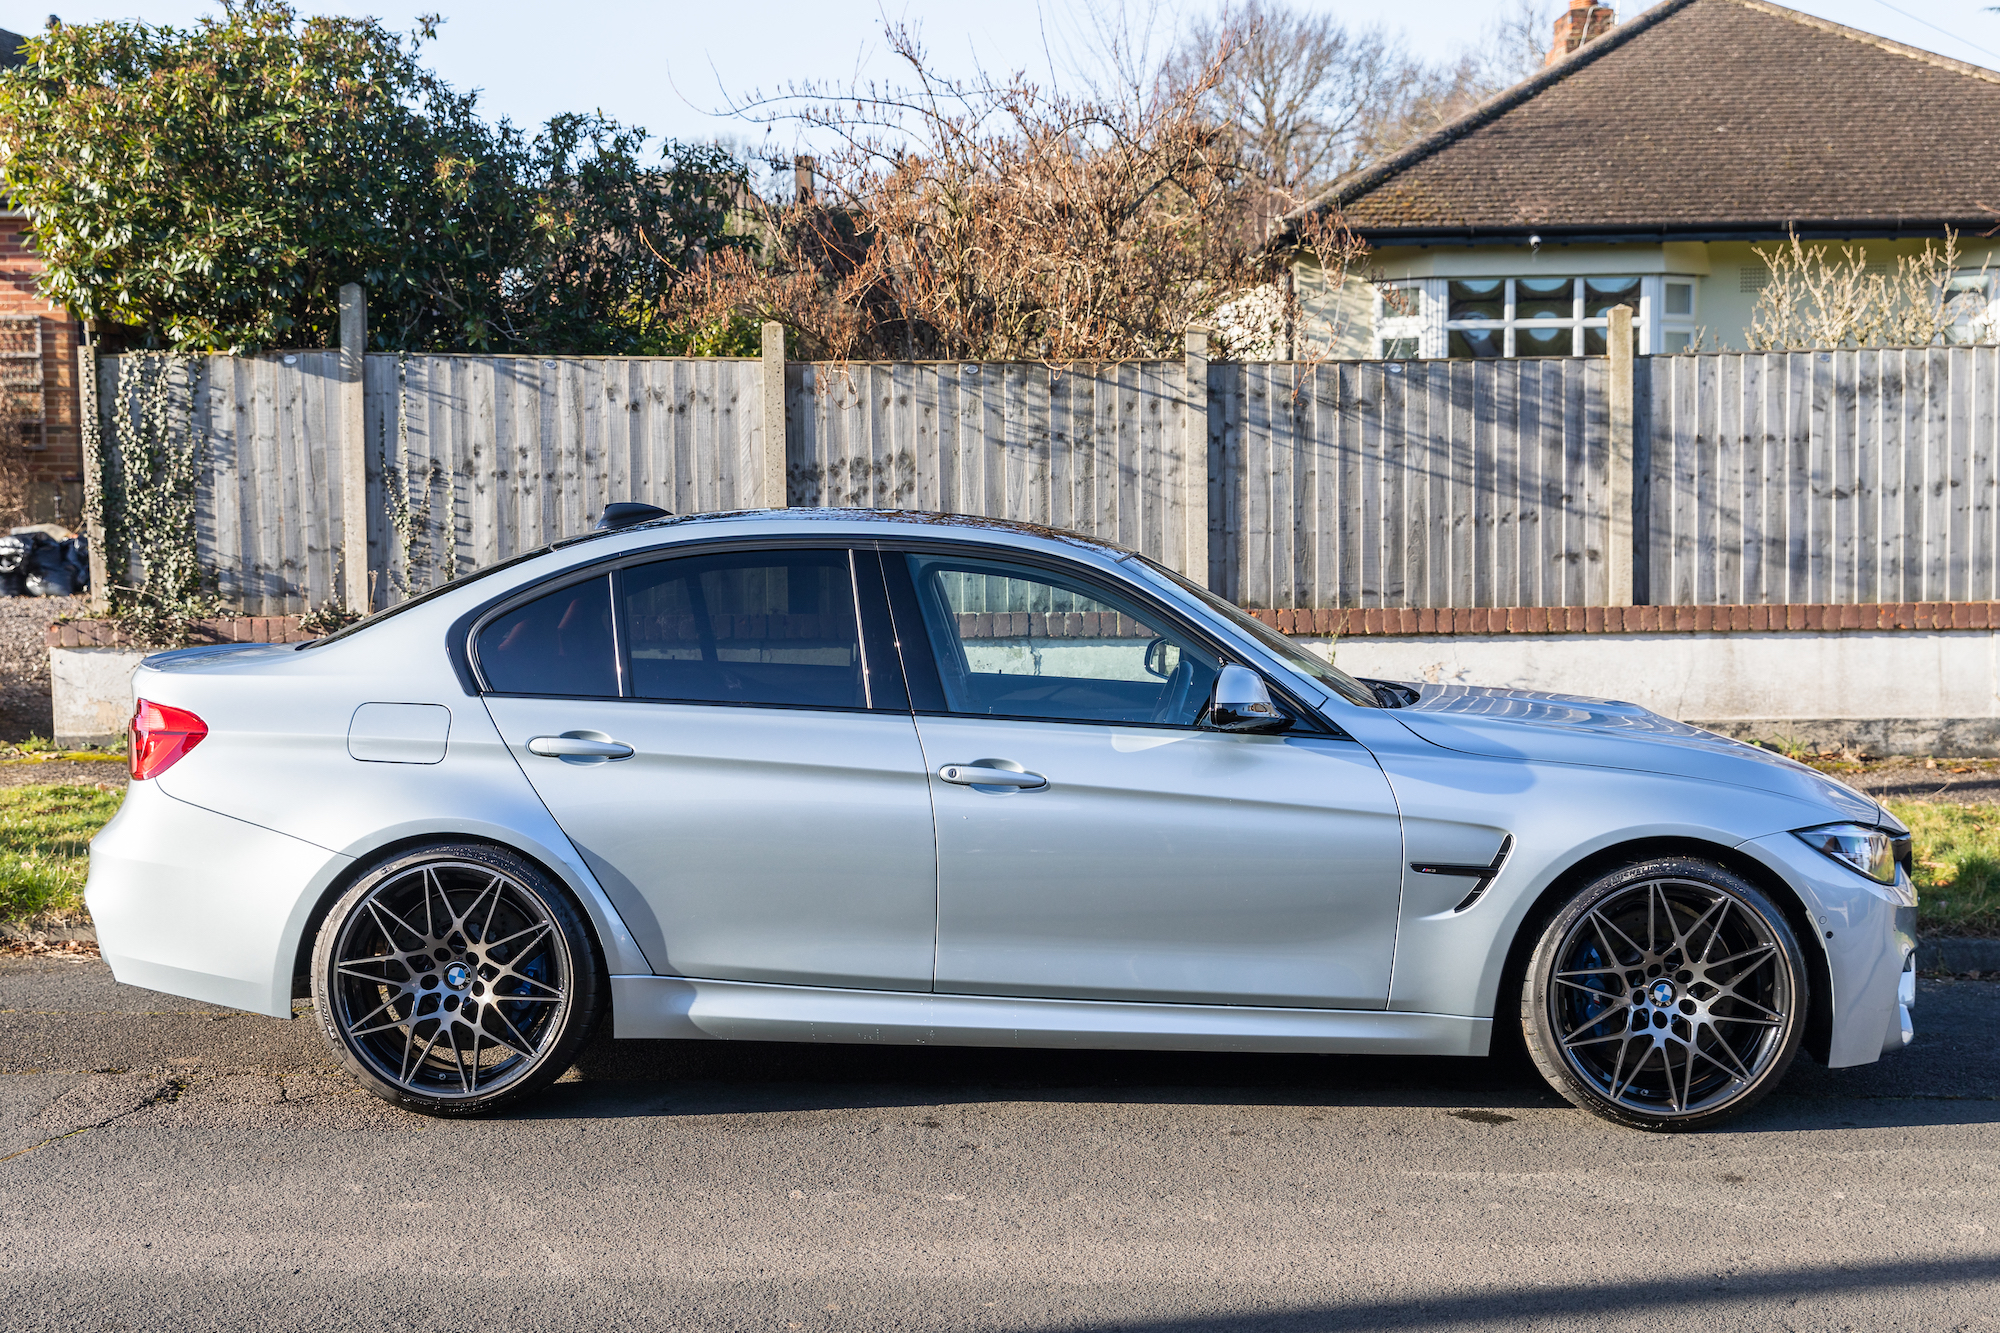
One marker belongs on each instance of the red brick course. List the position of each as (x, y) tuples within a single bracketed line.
[(1358, 622), (1370, 622), (222, 629)]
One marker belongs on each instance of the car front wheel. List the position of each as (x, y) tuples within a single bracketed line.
[(454, 978), (1669, 995)]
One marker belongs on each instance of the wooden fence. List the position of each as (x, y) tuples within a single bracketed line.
[(1820, 477), (1815, 477)]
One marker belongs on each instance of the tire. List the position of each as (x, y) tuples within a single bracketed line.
[(464, 946), (1669, 995)]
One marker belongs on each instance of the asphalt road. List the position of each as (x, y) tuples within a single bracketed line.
[(176, 1167)]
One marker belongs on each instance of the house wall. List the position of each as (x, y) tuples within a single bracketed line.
[(1727, 278), (55, 459)]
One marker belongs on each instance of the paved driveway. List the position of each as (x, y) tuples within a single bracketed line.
[(199, 1168)]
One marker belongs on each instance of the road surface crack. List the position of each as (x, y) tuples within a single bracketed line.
[(166, 1092)]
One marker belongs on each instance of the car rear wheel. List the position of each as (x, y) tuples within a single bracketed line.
[(1669, 995), (455, 978)]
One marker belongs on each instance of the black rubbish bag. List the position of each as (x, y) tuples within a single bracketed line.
[(45, 567)]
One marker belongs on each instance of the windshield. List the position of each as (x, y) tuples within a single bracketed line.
[(1280, 647)]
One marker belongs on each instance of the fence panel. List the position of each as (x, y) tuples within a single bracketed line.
[(1839, 476), (1410, 483), (1097, 449)]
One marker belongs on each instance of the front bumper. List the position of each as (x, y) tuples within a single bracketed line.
[(197, 904), (1868, 935)]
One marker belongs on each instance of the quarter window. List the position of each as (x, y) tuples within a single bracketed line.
[(560, 643), (743, 627), (1019, 641)]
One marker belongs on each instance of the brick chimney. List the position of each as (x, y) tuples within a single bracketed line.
[(1586, 19)]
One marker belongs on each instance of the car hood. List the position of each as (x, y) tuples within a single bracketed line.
[(1572, 729)]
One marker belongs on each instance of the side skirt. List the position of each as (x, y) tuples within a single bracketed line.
[(680, 1007)]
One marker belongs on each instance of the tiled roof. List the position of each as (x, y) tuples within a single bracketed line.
[(1706, 117)]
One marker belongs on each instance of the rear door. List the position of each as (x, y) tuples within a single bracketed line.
[(772, 820)]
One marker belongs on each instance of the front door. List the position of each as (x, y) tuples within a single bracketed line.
[(772, 821), (1094, 843)]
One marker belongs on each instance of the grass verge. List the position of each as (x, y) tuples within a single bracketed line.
[(45, 832), (1958, 866)]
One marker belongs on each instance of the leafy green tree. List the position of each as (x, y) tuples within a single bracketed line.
[(211, 188), (609, 236)]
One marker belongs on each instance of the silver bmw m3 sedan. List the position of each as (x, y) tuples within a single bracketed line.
[(851, 776)]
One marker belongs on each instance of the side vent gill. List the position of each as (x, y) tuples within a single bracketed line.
[(1484, 874)]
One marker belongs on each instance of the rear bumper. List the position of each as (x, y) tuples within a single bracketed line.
[(197, 904), (1868, 933)]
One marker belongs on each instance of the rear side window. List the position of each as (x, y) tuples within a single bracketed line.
[(745, 627), (560, 643)]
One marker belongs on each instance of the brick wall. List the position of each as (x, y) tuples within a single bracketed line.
[(56, 457)]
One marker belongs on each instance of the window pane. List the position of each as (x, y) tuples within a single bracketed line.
[(1680, 298), (557, 644), (1679, 342), (1600, 294), (1400, 349), (1477, 342), (1545, 342), (1402, 302), (1016, 641), (1483, 299), (747, 627), (1544, 298), (1595, 342)]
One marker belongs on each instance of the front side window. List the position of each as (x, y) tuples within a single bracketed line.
[(744, 627), (559, 643), (1021, 641)]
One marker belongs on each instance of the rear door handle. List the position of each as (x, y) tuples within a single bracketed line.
[(578, 747), (985, 775)]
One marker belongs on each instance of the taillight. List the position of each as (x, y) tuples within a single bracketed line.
[(160, 736)]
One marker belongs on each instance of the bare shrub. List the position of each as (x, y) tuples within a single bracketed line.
[(1814, 299), (996, 220)]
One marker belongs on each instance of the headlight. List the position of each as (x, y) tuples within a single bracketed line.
[(1869, 850)]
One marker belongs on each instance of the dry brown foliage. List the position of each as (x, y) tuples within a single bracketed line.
[(996, 220)]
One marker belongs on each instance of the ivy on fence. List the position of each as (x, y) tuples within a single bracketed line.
[(146, 456)]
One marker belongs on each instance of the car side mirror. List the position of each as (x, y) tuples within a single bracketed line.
[(1242, 704)]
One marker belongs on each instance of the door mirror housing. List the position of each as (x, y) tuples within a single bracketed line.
[(1242, 704)]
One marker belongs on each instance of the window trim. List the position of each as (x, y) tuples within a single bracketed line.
[(612, 569), (1306, 721)]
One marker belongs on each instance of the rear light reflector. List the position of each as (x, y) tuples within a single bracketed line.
[(160, 736)]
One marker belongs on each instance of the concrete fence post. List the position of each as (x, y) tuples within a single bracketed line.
[(1619, 496), (774, 416), (353, 449), (1194, 457)]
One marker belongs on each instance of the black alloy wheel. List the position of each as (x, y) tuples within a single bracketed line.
[(1669, 995), (455, 978)]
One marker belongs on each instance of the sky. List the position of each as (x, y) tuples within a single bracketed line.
[(671, 66)]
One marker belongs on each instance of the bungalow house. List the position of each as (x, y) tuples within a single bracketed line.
[(1644, 165)]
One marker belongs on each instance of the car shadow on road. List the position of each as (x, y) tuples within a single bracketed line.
[(650, 1078)]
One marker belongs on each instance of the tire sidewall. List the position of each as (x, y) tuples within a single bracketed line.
[(1546, 1051), (586, 972)]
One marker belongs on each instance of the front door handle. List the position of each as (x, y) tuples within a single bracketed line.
[(572, 745), (987, 773)]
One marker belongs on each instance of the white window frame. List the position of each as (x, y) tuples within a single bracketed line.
[(1432, 329), (1659, 326)]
